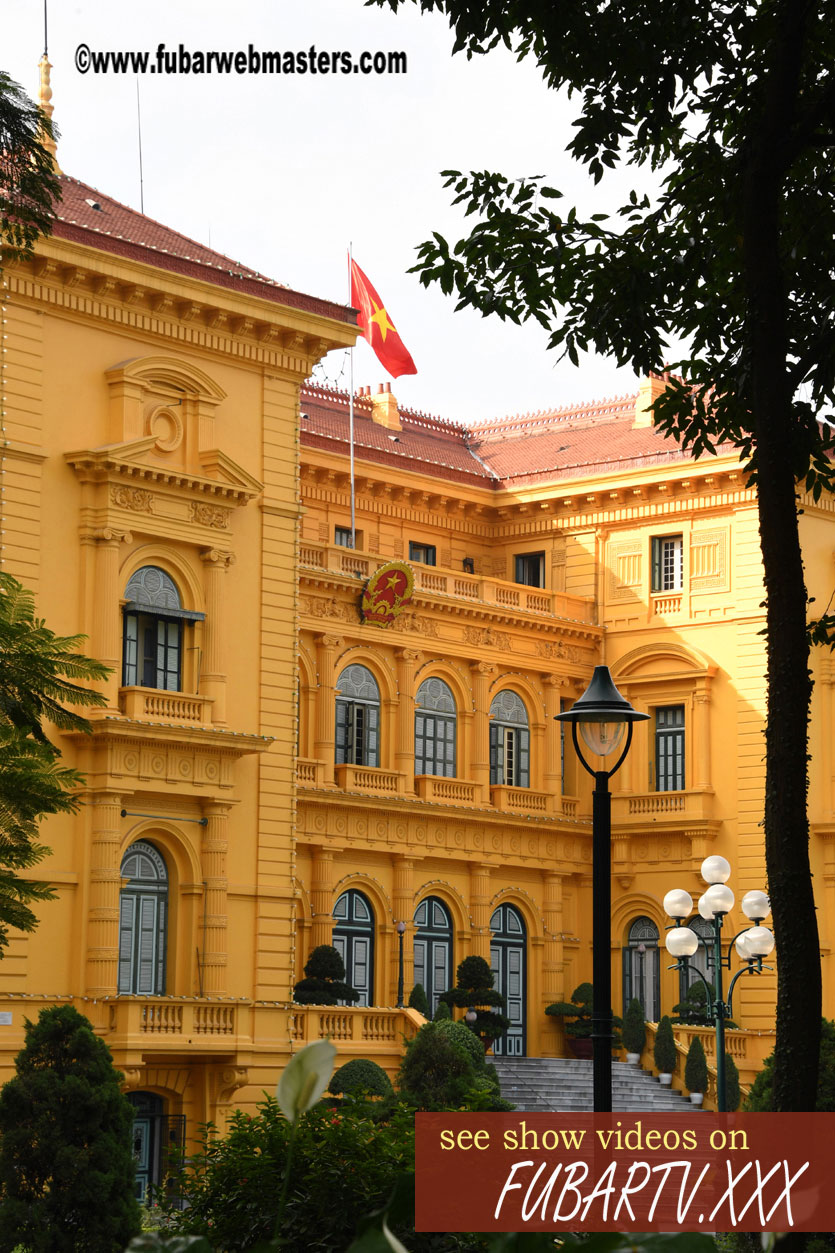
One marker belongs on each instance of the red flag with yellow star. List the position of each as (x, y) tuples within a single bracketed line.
[(377, 327)]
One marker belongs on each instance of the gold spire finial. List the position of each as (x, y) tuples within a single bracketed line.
[(45, 101)]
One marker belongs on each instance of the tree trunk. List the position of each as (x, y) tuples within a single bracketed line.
[(789, 682)]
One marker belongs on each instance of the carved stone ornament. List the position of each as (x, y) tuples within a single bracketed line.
[(561, 651), (386, 593), (209, 515), (486, 636), (134, 498)]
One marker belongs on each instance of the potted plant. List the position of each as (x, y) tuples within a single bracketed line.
[(634, 1031), (576, 1014), (664, 1052), (695, 1071)]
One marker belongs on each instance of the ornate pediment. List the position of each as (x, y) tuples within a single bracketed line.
[(130, 463)]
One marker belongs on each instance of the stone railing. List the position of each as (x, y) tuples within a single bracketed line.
[(749, 1050), (635, 809), (362, 1030), (438, 582), (446, 791), (309, 772), (162, 706), (663, 604), (369, 779), (521, 800), (175, 1023)]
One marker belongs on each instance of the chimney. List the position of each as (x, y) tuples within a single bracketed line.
[(384, 409), (650, 389)]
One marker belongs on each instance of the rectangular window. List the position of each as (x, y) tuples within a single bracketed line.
[(669, 748), (509, 756), (434, 746), (342, 537), (530, 569), (357, 734), (667, 567), (424, 553), (152, 652)]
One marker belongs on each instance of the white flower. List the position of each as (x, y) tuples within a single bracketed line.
[(394, 1243), (305, 1078)]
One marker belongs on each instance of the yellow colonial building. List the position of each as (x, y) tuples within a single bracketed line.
[(272, 771)]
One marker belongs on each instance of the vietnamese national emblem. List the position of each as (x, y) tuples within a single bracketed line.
[(386, 593)]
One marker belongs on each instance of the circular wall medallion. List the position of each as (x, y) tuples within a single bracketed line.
[(166, 426)]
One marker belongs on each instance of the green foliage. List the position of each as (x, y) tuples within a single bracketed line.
[(39, 672), (324, 983), (733, 1095), (577, 1013), (634, 1027), (695, 1067), (418, 1001), (66, 1167), (664, 1052), (443, 1012), (761, 1095), (474, 990), (29, 187), (436, 1070), (358, 1076), (466, 1039)]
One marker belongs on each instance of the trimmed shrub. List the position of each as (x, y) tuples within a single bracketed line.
[(664, 1051), (360, 1076), (732, 1093), (324, 983), (578, 1010), (761, 1096), (443, 1012), (436, 1070), (418, 1001), (461, 1034), (474, 990), (695, 1068), (634, 1031), (66, 1165)]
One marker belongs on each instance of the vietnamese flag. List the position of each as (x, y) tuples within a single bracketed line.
[(377, 326)]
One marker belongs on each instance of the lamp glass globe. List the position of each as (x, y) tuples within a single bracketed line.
[(760, 941), (720, 898), (716, 869), (755, 905), (678, 903), (741, 946), (681, 942), (602, 737), (705, 908)]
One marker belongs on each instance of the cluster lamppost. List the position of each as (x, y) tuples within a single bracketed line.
[(752, 944), (401, 930), (603, 716)]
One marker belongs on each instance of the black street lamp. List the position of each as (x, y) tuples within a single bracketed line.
[(603, 715), (752, 944), (401, 928)]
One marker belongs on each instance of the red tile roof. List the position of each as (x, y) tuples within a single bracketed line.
[(87, 216)]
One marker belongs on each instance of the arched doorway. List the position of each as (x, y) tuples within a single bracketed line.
[(507, 958), (143, 921), (155, 1135), (433, 949), (353, 938), (641, 964)]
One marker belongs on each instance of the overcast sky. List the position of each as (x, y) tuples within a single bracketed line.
[(282, 172)]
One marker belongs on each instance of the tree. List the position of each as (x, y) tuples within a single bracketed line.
[(695, 1067), (66, 1165), (39, 675), (29, 186), (418, 1001), (324, 983), (732, 105), (474, 990)]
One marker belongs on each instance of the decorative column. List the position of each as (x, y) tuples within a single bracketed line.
[(321, 897), (214, 660), (480, 909), (106, 633), (404, 907), (552, 962), (105, 885), (482, 672), (701, 738), (553, 738), (215, 898), (404, 753), (323, 745)]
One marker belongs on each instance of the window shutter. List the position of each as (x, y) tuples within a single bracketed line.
[(341, 745), (524, 770), (127, 910), (657, 550), (495, 771), (131, 641), (626, 963), (372, 754), (146, 956)]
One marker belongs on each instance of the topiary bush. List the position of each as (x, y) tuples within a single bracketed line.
[(578, 1010), (695, 1068), (418, 1001), (733, 1094), (66, 1165), (443, 1012), (474, 990), (324, 982), (436, 1070), (461, 1034), (360, 1076), (761, 1096), (634, 1031), (664, 1052)]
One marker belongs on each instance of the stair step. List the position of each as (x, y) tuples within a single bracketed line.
[(559, 1085)]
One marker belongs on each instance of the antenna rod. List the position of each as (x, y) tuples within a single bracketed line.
[(45, 30), (139, 133)]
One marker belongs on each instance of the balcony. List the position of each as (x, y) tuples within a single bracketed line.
[(369, 779), (665, 808), (365, 1030), (158, 705), (521, 800), (666, 604), (432, 581), (309, 772), (177, 1025), (446, 791)]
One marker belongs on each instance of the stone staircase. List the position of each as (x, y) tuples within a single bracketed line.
[(555, 1084)]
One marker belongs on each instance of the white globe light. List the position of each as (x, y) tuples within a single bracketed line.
[(681, 942), (602, 737), (705, 908), (741, 946), (720, 898), (716, 870), (678, 903), (760, 941), (755, 905)]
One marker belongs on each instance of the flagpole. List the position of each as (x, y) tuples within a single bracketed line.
[(351, 413)]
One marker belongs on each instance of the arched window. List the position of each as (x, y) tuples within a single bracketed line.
[(353, 938), (510, 741), (435, 718), (143, 921), (153, 631), (641, 978), (507, 959), (357, 717), (433, 949)]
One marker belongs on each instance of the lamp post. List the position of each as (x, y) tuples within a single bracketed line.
[(752, 944), (603, 715), (401, 928)]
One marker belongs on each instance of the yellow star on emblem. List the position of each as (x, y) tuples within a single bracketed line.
[(381, 317)]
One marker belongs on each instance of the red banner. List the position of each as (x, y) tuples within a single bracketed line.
[(624, 1172)]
